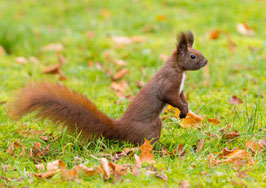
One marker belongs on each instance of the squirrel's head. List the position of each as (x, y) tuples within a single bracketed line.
[(187, 57)]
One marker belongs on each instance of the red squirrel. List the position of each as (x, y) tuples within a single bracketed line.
[(140, 121)]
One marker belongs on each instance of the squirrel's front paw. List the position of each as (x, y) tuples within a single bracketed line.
[(183, 112)]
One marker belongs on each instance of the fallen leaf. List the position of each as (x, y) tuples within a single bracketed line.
[(227, 152), (160, 18), (21, 60), (117, 170), (239, 155), (137, 161), (119, 74), (12, 147), (214, 34), (105, 13), (22, 151), (37, 145), (254, 147), (3, 102), (213, 120), (235, 100), (200, 145), (146, 155), (184, 184), (129, 150), (245, 29), (2, 50), (121, 40), (230, 135), (87, 171), (67, 175), (211, 160), (138, 39), (191, 120), (119, 89), (120, 62), (231, 44), (46, 175), (54, 69), (53, 47), (105, 167)]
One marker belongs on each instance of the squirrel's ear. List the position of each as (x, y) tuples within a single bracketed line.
[(190, 38), (182, 43)]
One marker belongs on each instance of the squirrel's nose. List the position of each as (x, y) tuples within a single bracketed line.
[(206, 62)]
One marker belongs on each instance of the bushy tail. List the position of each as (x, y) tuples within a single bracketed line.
[(62, 105)]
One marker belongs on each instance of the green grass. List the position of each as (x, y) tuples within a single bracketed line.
[(26, 26)]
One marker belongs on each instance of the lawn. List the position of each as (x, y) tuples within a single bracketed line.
[(85, 32)]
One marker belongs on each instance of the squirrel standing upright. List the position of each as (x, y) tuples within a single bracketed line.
[(140, 121)]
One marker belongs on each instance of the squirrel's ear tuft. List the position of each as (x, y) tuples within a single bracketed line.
[(190, 38), (182, 43)]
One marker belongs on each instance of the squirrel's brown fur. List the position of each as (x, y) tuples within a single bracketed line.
[(142, 118)]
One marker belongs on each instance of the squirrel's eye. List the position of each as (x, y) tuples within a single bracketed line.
[(193, 56)]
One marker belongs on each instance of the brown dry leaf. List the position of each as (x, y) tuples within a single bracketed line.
[(54, 69), (87, 171), (238, 156), (67, 175), (214, 34), (30, 133), (22, 151), (118, 170), (119, 89), (200, 145), (191, 120), (184, 184), (163, 57), (129, 150), (235, 100), (3, 102), (46, 175), (135, 171), (161, 18), (231, 44), (105, 167), (105, 13), (12, 147), (227, 152), (53, 47), (2, 50), (21, 60), (52, 166), (90, 34), (120, 62), (254, 147), (121, 40), (119, 74), (211, 160), (146, 155), (37, 145), (138, 39), (213, 120), (245, 29), (137, 161), (230, 135), (180, 150)]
